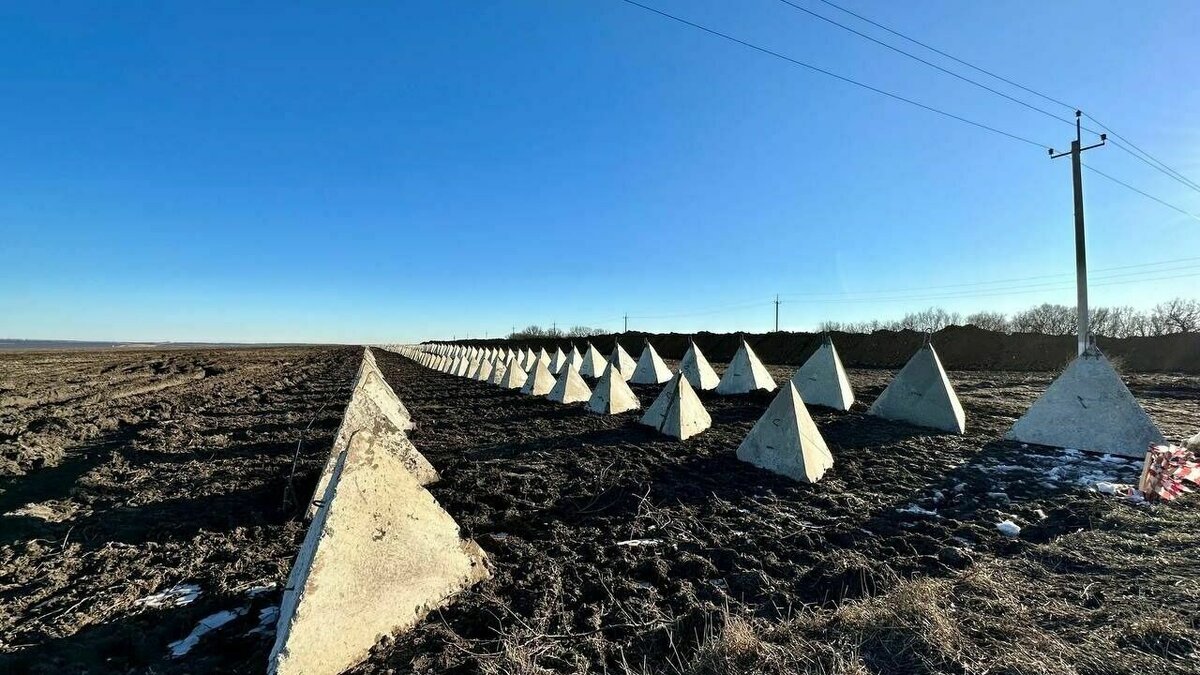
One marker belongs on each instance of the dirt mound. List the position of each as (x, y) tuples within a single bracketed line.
[(960, 348)]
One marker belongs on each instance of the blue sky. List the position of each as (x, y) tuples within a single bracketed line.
[(407, 170)]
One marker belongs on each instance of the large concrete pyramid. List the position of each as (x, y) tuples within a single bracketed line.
[(483, 372), (452, 367), (1088, 408), (464, 367), (514, 377), (574, 358), (557, 361), (785, 440), (528, 359), (543, 357), (677, 411), (745, 374), (570, 387), (921, 395), (650, 368), (539, 382), (822, 379), (593, 364), (378, 556), (498, 370), (697, 370), (612, 395), (623, 361)]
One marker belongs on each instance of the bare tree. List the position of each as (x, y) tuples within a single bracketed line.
[(994, 321), (1177, 316)]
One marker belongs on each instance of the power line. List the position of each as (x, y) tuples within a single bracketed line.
[(931, 64), (1147, 195), (834, 75), (950, 56), (1140, 154)]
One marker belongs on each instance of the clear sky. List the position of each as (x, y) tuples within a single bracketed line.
[(387, 171)]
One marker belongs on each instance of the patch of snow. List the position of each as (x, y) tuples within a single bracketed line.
[(917, 510), (206, 626), (267, 618), (176, 596), (1041, 514), (1008, 528), (1106, 488), (639, 542), (255, 591)]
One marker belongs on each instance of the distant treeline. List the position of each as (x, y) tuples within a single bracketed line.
[(1166, 318), (536, 331)]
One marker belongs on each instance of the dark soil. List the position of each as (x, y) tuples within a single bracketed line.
[(614, 549)]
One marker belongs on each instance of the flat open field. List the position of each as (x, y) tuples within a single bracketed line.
[(614, 549)]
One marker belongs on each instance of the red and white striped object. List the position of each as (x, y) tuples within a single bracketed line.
[(1166, 470)]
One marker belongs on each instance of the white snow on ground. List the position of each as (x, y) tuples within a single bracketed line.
[(918, 511), (206, 625), (176, 596), (267, 618), (639, 542), (1008, 528)]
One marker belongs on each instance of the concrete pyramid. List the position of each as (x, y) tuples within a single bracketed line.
[(570, 387), (785, 440), (1088, 408), (574, 358), (623, 361), (514, 377), (451, 365), (593, 364), (543, 357), (378, 556), (465, 369), (528, 359), (677, 411), (483, 372), (697, 370), (539, 382), (612, 395), (651, 369), (822, 379), (557, 361), (745, 374), (498, 370), (921, 395)]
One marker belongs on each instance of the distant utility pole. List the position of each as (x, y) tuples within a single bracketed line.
[(776, 312), (1081, 301), (626, 324)]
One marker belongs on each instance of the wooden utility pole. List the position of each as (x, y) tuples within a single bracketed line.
[(1081, 300)]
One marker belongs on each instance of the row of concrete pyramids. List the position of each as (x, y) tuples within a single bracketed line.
[(1088, 407), (379, 552)]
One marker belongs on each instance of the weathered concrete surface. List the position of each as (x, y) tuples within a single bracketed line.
[(922, 395), (822, 379), (1088, 408), (612, 395), (650, 368), (786, 441), (593, 363), (570, 387), (745, 374), (677, 411), (539, 382), (379, 555), (697, 370), (574, 358), (623, 361), (498, 371), (514, 376)]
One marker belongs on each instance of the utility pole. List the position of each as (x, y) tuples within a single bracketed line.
[(776, 312), (626, 323), (1081, 301)]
